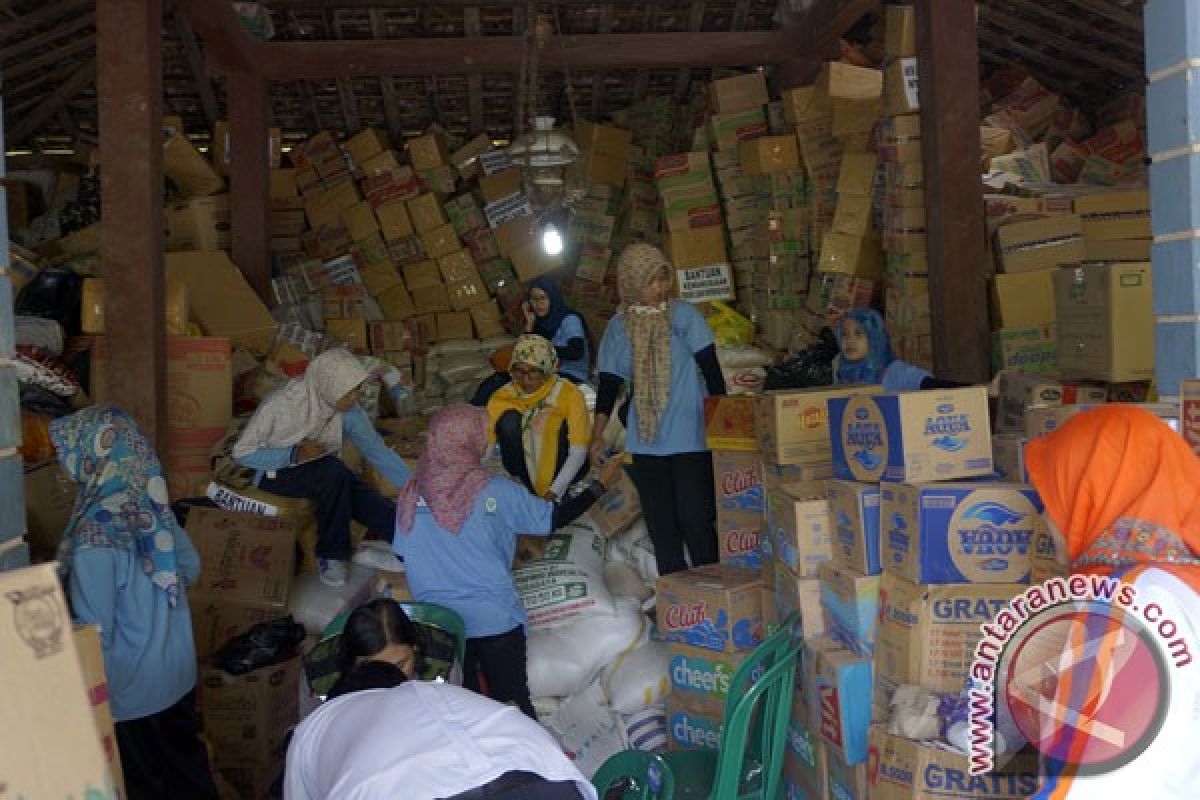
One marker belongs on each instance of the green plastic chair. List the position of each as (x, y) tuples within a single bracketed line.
[(748, 762), (321, 662)]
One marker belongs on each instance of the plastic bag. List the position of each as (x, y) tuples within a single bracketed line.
[(811, 367), (267, 643), (729, 327)]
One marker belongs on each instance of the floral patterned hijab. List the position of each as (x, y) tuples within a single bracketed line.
[(122, 501), (449, 474), (649, 331)]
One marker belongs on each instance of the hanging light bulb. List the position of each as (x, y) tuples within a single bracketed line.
[(552, 241)]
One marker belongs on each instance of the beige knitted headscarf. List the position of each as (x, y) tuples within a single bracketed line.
[(649, 331)]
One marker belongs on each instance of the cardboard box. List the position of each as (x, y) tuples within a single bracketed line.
[(618, 508), (221, 300), (388, 337), (501, 184), (728, 130), (603, 169), (426, 212), (394, 222), (793, 425), (1117, 249), (458, 266), (432, 298), (705, 284), (603, 139), (837, 687), (1105, 322), (1189, 413), (850, 82), (960, 532), (738, 93), (908, 770), (854, 215), (325, 207), (199, 386), (912, 437), (799, 526), (804, 769), (351, 332), (488, 319), (515, 234), (49, 501), (716, 607), (91, 661), (428, 151), (927, 634), (693, 725), (900, 31), (52, 747), (421, 275), (702, 676), (1008, 453), (768, 154), (468, 293), (215, 622), (92, 318), (440, 241), (365, 144), (360, 221), (798, 595), (776, 476), (854, 514), (244, 558), (1032, 350), (1019, 391), (901, 87), (1023, 299), (396, 303), (1040, 243), (850, 605), (200, 223), (530, 260), (741, 507), (192, 173), (455, 325), (696, 247), (852, 254), (729, 423), (246, 717), (1109, 216)]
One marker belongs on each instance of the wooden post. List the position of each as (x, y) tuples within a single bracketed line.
[(947, 43), (129, 86), (249, 179)]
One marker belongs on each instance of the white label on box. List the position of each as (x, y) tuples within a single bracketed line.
[(909, 68), (506, 209), (704, 284)]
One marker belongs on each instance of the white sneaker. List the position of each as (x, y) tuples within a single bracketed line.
[(332, 572), (378, 555)]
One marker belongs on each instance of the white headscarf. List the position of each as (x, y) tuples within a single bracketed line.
[(304, 408)]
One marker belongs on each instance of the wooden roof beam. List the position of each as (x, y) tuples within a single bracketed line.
[(472, 26), (49, 106), (195, 60), (1105, 9), (1132, 45), (695, 23), (457, 56), (55, 56), (1079, 50), (603, 25), (36, 19), (226, 40), (39, 41), (1054, 66)]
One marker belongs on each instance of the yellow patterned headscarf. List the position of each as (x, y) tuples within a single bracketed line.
[(649, 331), (537, 352)]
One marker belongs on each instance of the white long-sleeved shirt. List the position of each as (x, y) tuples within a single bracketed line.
[(419, 741)]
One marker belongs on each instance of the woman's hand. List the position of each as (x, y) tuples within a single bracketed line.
[(610, 473), (308, 450), (530, 317), (597, 449), (550, 495)]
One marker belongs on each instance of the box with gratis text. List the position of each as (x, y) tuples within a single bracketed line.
[(854, 514), (793, 426), (909, 770), (850, 605), (717, 607), (960, 532), (913, 436)]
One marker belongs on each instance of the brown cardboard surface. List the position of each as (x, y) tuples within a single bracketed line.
[(454, 325), (201, 223), (49, 499), (426, 212), (618, 509), (1023, 299), (214, 622), (247, 716), (440, 241), (696, 247), (730, 422), (697, 599), (428, 151), (1105, 322), (500, 184), (221, 300), (431, 298), (738, 93), (91, 661), (1040, 243), (92, 312), (244, 558), (51, 745), (793, 425)]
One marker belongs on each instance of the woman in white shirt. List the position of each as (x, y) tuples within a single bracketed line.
[(387, 737)]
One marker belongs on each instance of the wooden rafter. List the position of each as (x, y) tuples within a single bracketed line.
[(47, 107), (1105, 9), (1005, 23), (473, 27), (39, 41), (695, 22), (225, 38), (56, 56), (641, 81), (603, 25), (195, 60), (36, 19), (345, 92), (1131, 45), (1053, 65)]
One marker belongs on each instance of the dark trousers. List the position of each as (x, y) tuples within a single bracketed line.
[(512, 449), (162, 756), (678, 505), (501, 659), (521, 786), (337, 495)]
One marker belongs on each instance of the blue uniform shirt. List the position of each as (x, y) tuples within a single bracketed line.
[(572, 328), (681, 429), (149, 654), (470, 571)]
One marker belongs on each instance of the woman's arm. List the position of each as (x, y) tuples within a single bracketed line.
[(92, 588), (576, 456), (573, 350), (609, 386), (710, 367), (358, 428)]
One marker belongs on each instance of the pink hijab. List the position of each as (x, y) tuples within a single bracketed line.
[(449, 476)]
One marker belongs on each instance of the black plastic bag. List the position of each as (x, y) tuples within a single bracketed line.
[(811, 367), (56, 293), (267, 643)]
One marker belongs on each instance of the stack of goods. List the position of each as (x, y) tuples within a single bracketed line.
[(693, 226)]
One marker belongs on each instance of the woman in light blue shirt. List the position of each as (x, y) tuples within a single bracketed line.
[(127, 563), (665, 349), (548, 315)]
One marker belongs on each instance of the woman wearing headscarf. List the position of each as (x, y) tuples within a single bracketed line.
[(293, 442), (456, 529), (1122, 498), (548, 315), (866, 356), (540, 421), (665, 350), (127, 563)]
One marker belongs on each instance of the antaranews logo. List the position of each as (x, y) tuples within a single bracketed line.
[(1072, 667)]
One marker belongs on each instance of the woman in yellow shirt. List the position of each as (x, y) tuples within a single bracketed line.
[(540, 421)]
